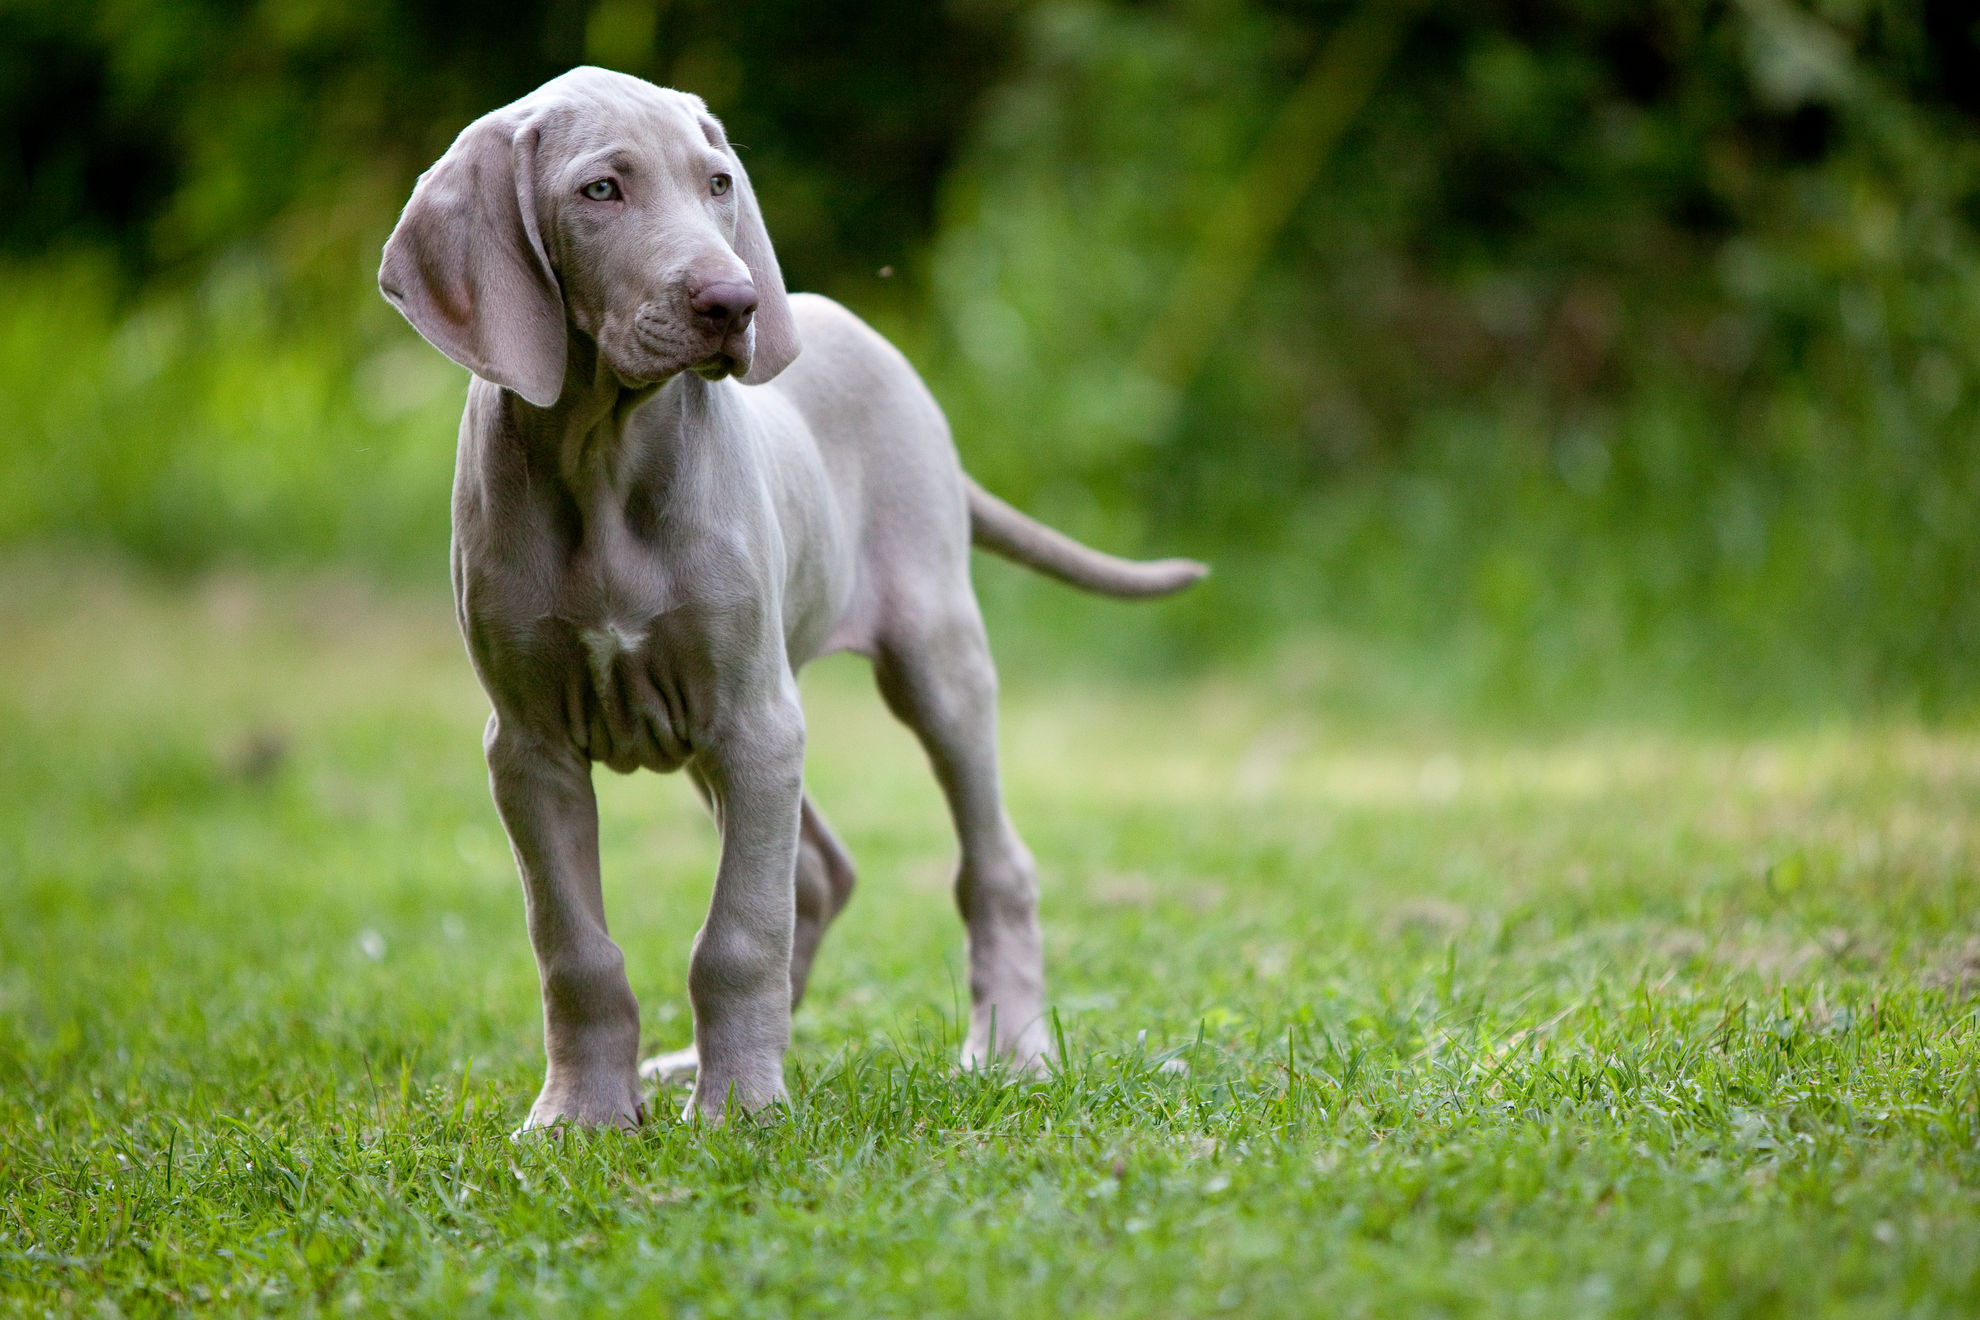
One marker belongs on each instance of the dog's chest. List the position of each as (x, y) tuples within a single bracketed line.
[(609, 643), (622, 703)]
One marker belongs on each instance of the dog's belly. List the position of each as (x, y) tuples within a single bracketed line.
[(623, 710)]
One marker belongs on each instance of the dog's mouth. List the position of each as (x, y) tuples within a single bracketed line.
[(667, 356), (717, 365)]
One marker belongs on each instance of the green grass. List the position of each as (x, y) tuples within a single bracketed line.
[(1360, 1016)]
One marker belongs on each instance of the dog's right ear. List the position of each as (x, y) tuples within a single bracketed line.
[(466, 263)]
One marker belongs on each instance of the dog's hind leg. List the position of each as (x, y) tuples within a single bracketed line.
[(824, 885), (940, 681)]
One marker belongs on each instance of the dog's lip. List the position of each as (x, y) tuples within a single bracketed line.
[(721, 361), (655, 341)]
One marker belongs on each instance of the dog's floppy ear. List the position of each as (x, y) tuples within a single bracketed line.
[(776, 331), (466, 263)]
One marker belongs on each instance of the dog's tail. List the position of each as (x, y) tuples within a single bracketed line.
[(1002, 530)]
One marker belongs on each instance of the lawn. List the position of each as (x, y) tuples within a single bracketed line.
[(1359, 1016)]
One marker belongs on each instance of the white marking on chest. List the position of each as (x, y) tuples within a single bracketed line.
[(603, 645)]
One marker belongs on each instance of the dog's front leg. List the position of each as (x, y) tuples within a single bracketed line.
[(590, 1018), (739, 979)]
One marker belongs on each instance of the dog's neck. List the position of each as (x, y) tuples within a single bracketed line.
[(585, 437)]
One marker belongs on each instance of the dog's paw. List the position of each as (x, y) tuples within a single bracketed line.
[(595, 1107), (715, 1104), (675, 1067), (737, 1083), (1028, 1056)]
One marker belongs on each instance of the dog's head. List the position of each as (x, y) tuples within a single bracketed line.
[(599, 204)]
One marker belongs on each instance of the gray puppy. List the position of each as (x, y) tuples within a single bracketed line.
[(661, 511)]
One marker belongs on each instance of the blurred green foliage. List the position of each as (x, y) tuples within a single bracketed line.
[(1572, 352), (197, 365)]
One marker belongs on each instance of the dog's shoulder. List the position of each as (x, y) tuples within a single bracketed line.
[(837, 342), (826, 319)]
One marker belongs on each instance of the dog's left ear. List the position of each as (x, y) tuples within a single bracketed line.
[(776, 330)]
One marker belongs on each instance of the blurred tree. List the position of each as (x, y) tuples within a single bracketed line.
[(1607, 328), (173, 131), (1555, 339)]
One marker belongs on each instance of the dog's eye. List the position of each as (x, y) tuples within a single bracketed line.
[(601, 190), (718, 184)]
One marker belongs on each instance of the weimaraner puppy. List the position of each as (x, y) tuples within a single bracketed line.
[(661, 511)]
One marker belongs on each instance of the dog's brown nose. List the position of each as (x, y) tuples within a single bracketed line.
[(725, 306)]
